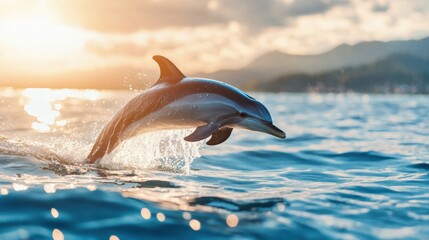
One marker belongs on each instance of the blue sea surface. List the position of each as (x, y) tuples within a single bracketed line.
[(353, 166)]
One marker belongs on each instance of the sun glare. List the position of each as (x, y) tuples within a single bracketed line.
[(36, 40)]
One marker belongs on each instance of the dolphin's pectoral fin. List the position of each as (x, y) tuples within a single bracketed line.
[(220, 136), (202, 132)]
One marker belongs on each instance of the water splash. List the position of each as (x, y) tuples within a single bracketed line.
[(163, 150), (24, 149)]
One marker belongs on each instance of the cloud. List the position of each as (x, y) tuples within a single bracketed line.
[(200, 48), (119, 49), (378, 7), (253, 13), (309, 7), (134, 15)]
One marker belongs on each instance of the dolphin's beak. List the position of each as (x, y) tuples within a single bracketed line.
[(265, 127), (273, 130)]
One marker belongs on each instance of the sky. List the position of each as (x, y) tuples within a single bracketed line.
[(53, 36)]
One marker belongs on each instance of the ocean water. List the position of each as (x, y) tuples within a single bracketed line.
[(353, 166)]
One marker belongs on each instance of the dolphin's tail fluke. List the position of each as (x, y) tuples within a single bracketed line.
[(100, 148), (92, 158)]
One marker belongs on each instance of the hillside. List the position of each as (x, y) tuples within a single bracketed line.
[(275, 64), (397, 73)]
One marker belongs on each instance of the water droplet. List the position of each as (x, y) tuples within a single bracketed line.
[(4, 191), (19, 187), (54, 213), (160, 217), (195, 225), (232, 220), (145, 213), (186, 215), (49, 188), (281, 207), (57, 234), (113, 237)]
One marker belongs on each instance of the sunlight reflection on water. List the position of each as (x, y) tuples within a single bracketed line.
[(44, 104)]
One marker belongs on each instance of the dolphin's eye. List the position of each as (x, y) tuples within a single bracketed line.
[(243, 114)]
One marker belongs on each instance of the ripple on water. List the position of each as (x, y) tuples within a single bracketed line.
[(231, 205), (354, 156), (377, 190), (424, 166), (312, 176), (264, 160)]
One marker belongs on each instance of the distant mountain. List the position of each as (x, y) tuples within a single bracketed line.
[(397, 73), (275, 64)]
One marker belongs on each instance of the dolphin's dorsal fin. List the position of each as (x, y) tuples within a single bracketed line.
[(169, 72)]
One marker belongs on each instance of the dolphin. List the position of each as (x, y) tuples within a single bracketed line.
[(177, 102)]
